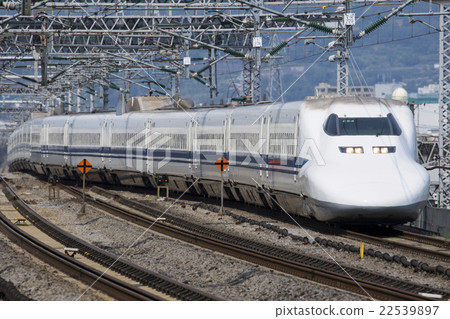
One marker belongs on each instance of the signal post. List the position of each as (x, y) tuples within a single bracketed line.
[(222, 163), (84, 166)]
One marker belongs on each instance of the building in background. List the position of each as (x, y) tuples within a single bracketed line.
[(428, 94), (324, 90), (384, 90)]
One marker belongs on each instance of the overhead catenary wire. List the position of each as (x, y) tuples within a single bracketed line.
[(382, 20), (310, 24), (203, 69)]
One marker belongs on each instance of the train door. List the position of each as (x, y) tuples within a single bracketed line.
[(66, 142), (227, 139), (261, 139), (106, 143), (296, 146), (110, 132), (267, 150), (190, 143), (264, 149), (194, 147), (148, 144), (44, 142)]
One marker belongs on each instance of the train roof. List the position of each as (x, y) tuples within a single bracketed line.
[(350, 101)]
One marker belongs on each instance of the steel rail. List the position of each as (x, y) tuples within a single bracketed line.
[(303, 266), (146, 277), (104, 282), (9, 292), (408, 247), (425, 239)]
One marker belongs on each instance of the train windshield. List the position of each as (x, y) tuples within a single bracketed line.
[(337, 126)]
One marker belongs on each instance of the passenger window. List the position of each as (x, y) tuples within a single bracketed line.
[(368, 126)]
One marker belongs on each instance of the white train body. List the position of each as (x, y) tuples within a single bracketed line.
[(346, 160)]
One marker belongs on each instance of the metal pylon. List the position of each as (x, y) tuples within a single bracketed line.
[(247, 78), (342, 72), (105, 94), (275, 84), (345, 40), (252, 67), (252, 81), (444, 106), (212, 75)]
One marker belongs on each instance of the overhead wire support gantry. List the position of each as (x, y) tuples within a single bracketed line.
[(74, 45), (444, 104), (87, 27)]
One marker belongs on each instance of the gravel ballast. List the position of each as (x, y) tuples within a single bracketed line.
[(227, 277), (40, 281)]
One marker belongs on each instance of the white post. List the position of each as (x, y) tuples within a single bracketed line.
[(83, 207), (221, 192)]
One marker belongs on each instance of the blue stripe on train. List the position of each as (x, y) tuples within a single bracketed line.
[(260, 162)]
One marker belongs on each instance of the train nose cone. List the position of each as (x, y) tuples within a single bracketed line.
[(375, 194), (384, 190)]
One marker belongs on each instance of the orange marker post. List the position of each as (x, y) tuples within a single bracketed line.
[(222, 163), (361, 250), (84, 166)]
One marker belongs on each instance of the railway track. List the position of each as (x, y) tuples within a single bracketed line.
[(422, 245), (167, 288), (387, 238), (315, 269), (9, 293), (393, 238), (436, 241), (106, 283)]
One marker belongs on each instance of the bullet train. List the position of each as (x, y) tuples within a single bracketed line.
[(340, 160)]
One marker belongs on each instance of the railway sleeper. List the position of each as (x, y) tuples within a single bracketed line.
[(272, 250)]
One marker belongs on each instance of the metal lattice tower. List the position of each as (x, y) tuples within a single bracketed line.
[(444, 106), (212, 75), (275, 83), (131, 33), (247, 81), (342, 72), (345, 40), (94, 34), (252, 66)]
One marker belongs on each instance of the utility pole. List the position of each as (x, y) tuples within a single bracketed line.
[(127, 91), (105, 89), (175, 79), (26, 7), (344, 41), (256, 56), (252, 65), (444, 105), (212, 74), (78, 109), (91, 103), (44, 59), (70, 106), (275, 83)]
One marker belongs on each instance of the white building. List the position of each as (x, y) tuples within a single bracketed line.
[(385, 89)]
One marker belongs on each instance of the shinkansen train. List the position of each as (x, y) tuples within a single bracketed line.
[(339, 160)]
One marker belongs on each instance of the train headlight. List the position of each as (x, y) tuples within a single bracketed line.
[(383, 149), (351, 149)]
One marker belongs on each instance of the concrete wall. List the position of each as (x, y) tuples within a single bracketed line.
[(434, 219)]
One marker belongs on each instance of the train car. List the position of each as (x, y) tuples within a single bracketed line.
[(339, 160)]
